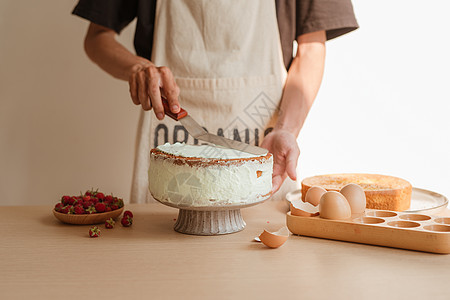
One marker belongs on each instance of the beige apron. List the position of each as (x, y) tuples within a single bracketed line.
[(227, 61)]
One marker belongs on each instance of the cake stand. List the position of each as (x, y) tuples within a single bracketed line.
[(211, 220)]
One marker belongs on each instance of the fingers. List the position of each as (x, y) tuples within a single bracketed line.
[(142, 91), (145, 89), (170, 88), (133, 89), (154, 79), (291, 163), (277, 181)]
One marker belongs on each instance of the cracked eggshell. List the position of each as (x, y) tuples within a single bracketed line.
[(313, 194), (303, 209), (334, 206), (356, 198), (274, 239)]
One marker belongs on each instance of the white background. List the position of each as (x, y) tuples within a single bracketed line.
[(384, 104), (66, 126)]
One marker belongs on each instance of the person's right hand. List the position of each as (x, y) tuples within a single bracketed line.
[(146, 85)]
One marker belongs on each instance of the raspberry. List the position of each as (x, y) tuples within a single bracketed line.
[(100, 196), (64, 210), (110, 223), (78, 210), (86, 204), (128, 213), (91, 210), (109, 198), (71, 209), (94, 231), (86, 198), (59, 206), (108, 209), (114, 207), (100, 207), (65, 199), (126, 221)]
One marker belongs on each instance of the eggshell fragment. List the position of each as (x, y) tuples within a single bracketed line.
[(334, 206), (274, 239), (313, 194), (303, 209), (356, 198)]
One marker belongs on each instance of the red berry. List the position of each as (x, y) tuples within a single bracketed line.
[(64, 210), (114, 207), (108, 209), (100, 196), (86, 204), (94, 231), (128, 213), (126, 221), (91, 210), (59, 206), (100, 207), (109, 198), (86, 198), (94, 200), (71, 209), (79, 210), (110, 223), (64, 199)]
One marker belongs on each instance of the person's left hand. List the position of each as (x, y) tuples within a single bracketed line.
[(283, 145)]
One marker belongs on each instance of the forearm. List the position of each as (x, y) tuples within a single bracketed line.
[(303, 82), (103, 49)]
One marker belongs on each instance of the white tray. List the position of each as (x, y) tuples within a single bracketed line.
[(421, 200)]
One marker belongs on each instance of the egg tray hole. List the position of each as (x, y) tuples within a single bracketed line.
[(403, 224), (442, 220), (437, 228), (381, 214), (369, 220), (415, 217)]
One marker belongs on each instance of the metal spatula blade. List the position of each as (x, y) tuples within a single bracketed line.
[(200, 133)]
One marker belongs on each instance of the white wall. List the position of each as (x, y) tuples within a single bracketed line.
[(384, 105), (66, 126)]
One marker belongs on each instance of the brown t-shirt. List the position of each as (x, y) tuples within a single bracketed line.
[(295, 17)]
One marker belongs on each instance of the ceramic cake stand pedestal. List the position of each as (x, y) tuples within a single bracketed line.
[(210, 220)]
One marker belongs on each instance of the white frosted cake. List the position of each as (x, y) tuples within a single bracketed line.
[(205, 175)]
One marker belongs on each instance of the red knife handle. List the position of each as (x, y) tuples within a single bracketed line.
[(176, 116)]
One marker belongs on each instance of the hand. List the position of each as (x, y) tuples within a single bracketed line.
[(283, 145), (146, 85)]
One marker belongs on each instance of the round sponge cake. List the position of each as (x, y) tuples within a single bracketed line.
[(382, 191), (206, 175)]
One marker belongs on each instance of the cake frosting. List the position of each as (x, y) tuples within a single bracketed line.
[(207, 175)]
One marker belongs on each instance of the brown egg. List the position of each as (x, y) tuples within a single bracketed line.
[(356, 198), (303, 209), (334, 206), (313, 194), (274, 239)]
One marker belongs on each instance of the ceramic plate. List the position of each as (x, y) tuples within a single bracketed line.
[(421, 200)]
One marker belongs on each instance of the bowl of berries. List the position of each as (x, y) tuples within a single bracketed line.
[(92, 207)]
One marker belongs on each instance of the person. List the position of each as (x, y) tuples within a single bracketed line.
[(230, 64)]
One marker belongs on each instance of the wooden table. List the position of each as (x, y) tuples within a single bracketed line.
[(41, 258)]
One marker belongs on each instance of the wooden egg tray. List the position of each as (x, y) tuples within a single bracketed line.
[(411, 231)]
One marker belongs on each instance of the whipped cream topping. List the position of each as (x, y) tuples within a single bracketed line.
[(182, 184), (204, 151)]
